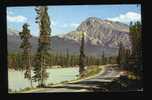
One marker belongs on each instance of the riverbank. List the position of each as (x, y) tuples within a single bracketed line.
[(89, 77)]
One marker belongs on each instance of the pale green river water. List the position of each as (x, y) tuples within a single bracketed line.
[(16, 80)]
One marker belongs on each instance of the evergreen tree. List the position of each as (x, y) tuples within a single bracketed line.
[(9, 61), (87, 60), (77, 59), (72, 60), (44, 45), (123, 56), (12, 61), (26, 47), (103, 58), (135, 35), (109, 60), (19, 62), (97, 61), (82, 55), (67, 58), (126, 58), (61, 59), (120, 53)]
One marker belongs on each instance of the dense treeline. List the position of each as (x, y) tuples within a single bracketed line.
[(62, 59), (132, 58), (136, 40), (123, 56)]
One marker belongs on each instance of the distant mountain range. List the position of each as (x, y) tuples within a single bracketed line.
[(100, 35)]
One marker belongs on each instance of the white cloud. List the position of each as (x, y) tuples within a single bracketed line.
[(72, 25), (127, 17), (18, 18), (55, 23)]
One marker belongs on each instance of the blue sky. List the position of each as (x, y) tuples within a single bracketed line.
[(66, 18)]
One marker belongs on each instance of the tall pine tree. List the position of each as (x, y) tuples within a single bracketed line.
[(67, 58), (26, 54), (135, 35), (123, 55), (82, 55), (103, 58), (120, 53), (44, 45)]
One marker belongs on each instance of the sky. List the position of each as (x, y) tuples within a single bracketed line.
[(67, 18)]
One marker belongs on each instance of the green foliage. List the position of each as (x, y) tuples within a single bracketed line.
[(37, 67), (26, 51), (120, 53), (123, 56), (136, 40), (103, 59), (82, 56), (44, 45), (12, 61), (92, 70), (26, 89), (52, 59)]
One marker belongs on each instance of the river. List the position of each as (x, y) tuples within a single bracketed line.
[(16, 80)]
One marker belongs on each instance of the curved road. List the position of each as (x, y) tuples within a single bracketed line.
[(88, 85)]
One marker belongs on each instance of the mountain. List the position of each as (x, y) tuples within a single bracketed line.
[(13, 41), (100, 35), (103, 33), (57, 44), (12, 32)]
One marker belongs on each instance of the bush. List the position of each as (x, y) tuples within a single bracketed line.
[(51, 84), (64, 81), (9, 90), (26, 89), (91, 71)]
